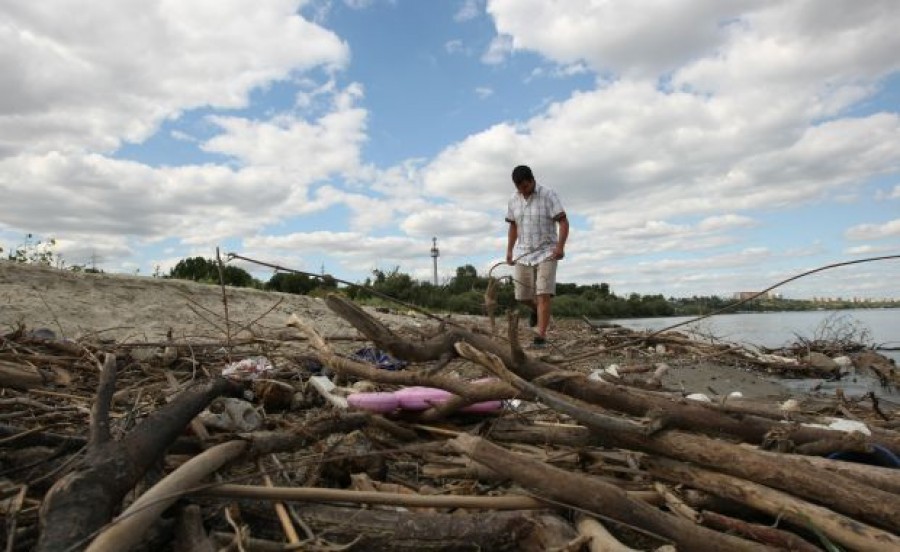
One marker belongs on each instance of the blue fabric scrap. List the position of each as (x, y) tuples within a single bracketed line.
[(378, 358)]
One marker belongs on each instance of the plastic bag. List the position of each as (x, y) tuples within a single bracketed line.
[(249, 368), (378, 358)]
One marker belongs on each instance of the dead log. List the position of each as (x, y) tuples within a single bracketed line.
[(601, 539), (190, 536), (466, 393), (386, 530), (887, 479), (85, 499), (24, 377), (302, 436), (669, 413), (128, 529), (593, 495), (857, 500), (841, 529), (318, 494), (760, 533)]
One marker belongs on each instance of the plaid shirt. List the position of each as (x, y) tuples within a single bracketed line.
[(535, 220)]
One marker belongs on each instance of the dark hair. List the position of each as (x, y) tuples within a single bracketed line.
[(521, 174)]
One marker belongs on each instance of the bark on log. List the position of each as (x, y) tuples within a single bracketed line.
[(128, 529), (316, 494), (886, 479), (85, 499), (761, 533), (786, 473), (841, 529), (385, 530), (190, 536), (601, 539), (596, 496), (20, 376)]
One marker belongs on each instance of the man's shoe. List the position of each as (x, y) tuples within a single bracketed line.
[(539, 342), (532, 319)]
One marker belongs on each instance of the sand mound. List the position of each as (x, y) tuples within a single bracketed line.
[(122, 307)]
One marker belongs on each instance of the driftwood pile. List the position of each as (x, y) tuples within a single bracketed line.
[(103, 448)]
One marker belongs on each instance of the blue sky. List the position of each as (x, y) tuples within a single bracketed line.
[(700, 147)]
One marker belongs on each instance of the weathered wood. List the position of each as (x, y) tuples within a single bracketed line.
[(669, 413), (761, 533), (190, 536), (886, 479), (85, 499), (398, 531), (317, 494), (841, 529), (19, 376), (596, 496), (128, 529), (857, 500), (601, 539)]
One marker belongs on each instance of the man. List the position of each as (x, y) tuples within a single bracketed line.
[(534, 247)]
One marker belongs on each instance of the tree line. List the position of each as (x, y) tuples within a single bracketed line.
[(464, 293)]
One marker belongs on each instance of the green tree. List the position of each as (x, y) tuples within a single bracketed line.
[(466, 279), (204, 270), (286, 282)]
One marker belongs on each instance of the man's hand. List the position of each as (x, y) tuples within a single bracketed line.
[(559, 252), (509, 259)]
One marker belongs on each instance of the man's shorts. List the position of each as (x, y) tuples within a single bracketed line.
[(534, 280)]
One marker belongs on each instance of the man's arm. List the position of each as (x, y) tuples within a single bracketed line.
[(511, 238), (560, 251)]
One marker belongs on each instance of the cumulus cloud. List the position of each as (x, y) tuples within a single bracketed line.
[(888, 229), (470, 9), (617, 36), (498, 51), (484, 92), (68, 87), (447, 221)]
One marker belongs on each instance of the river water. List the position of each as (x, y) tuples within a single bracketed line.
[(873, 327), (775, 329)]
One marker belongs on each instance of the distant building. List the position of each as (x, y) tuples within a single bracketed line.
[(743, 295)]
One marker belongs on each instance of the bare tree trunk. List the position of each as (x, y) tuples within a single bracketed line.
[(597, 496), (841, 529), (386, 530), (87, 498)]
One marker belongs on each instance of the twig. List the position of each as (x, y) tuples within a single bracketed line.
[(220, 266)]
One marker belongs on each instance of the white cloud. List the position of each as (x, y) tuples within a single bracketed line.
[(447, 221), (675, 154), (311, 149), (484, 92), (499, 49), (728, 221), (455, 46), (869, 250), (278, 160), (358, 4), (888, 229), (616, 36), (469, 10), (68, 87)]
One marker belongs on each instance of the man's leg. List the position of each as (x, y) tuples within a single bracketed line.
[(545, 289), (524, 278), (543, 313)]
